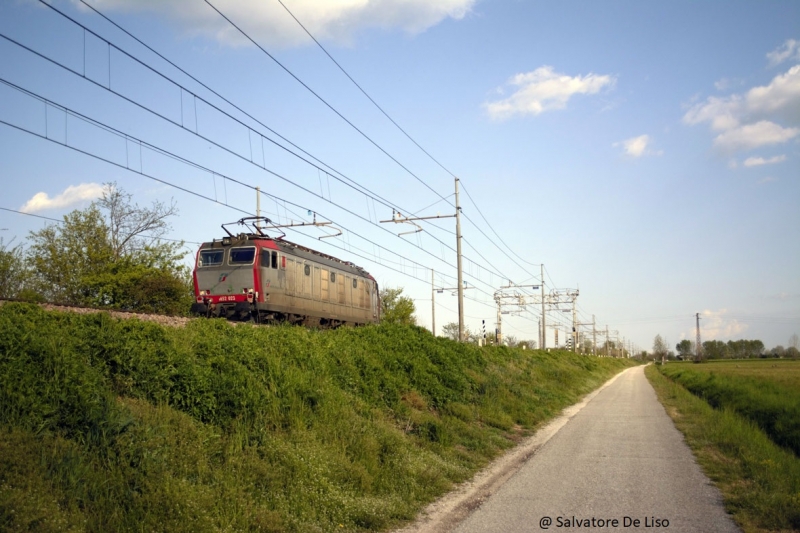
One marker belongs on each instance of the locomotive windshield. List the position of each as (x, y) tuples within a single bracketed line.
[(242, 256), (210, 257)]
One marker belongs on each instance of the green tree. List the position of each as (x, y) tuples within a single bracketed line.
[(113, 260), (450, 331), (135, 230), (395, 308), (13, 273), (715, 350), (778, 351), (794, 341), (63, 257), (685, 349), (660, 348)]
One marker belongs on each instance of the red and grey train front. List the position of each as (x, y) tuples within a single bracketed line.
[(226, 280)]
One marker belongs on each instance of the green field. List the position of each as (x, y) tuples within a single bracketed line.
[(759, 480), (765, 391), (124, 425)]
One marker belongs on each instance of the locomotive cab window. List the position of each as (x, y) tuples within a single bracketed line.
[(242, 256), (269, 259), (211, 258)]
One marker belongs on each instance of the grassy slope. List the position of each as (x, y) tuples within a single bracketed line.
[(759, 480), (122, 425)]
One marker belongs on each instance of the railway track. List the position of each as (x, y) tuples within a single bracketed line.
[(165, 320)]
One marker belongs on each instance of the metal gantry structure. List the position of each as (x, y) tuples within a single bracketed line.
[(509, 296), (398, 218)]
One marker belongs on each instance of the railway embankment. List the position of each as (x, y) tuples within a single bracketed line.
[(112, 424)]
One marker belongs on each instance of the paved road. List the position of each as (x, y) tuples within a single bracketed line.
[(620, 456)]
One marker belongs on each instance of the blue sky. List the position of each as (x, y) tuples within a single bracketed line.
[(646, 153)]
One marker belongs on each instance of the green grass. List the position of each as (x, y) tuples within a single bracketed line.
[(767, 392), (123, 425), (759, 480)]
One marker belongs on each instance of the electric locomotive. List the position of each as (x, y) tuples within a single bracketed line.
[(250, 275)]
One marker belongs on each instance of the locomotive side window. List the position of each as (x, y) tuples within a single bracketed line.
[(274, 259), (308, 270), (211, 257), (333, 277), (242, 256), (355, 283)]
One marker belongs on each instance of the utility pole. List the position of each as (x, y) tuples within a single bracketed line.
[(579, 334), (698, 347), (433, 305), (540, 333), (607, 340), (460, 273), (544, 319), (574, 329), (594, 337), (498, 338), (399, 218)]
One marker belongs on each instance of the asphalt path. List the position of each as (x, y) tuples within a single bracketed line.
[(619, 460)]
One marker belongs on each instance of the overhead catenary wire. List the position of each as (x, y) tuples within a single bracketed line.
[(321, 99), (232, 152), (477, 263), (177, 158), (145, 108), (60, 221), (410, 138), (418, 146)]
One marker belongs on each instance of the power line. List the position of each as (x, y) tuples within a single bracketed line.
[(61, 222), (155, 113), (414, 142), (301, 82), (365, 92), (360, 188), (177, 158), (164, 152), (232, 152)]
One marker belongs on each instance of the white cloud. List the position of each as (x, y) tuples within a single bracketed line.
[(72, 195), (721, 113), (762, 133), (768, 179), (782, 95), (758, 161), (788, 50), (714, 325), (545, 90), (750, 120), (638, 146), (269, 24)]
